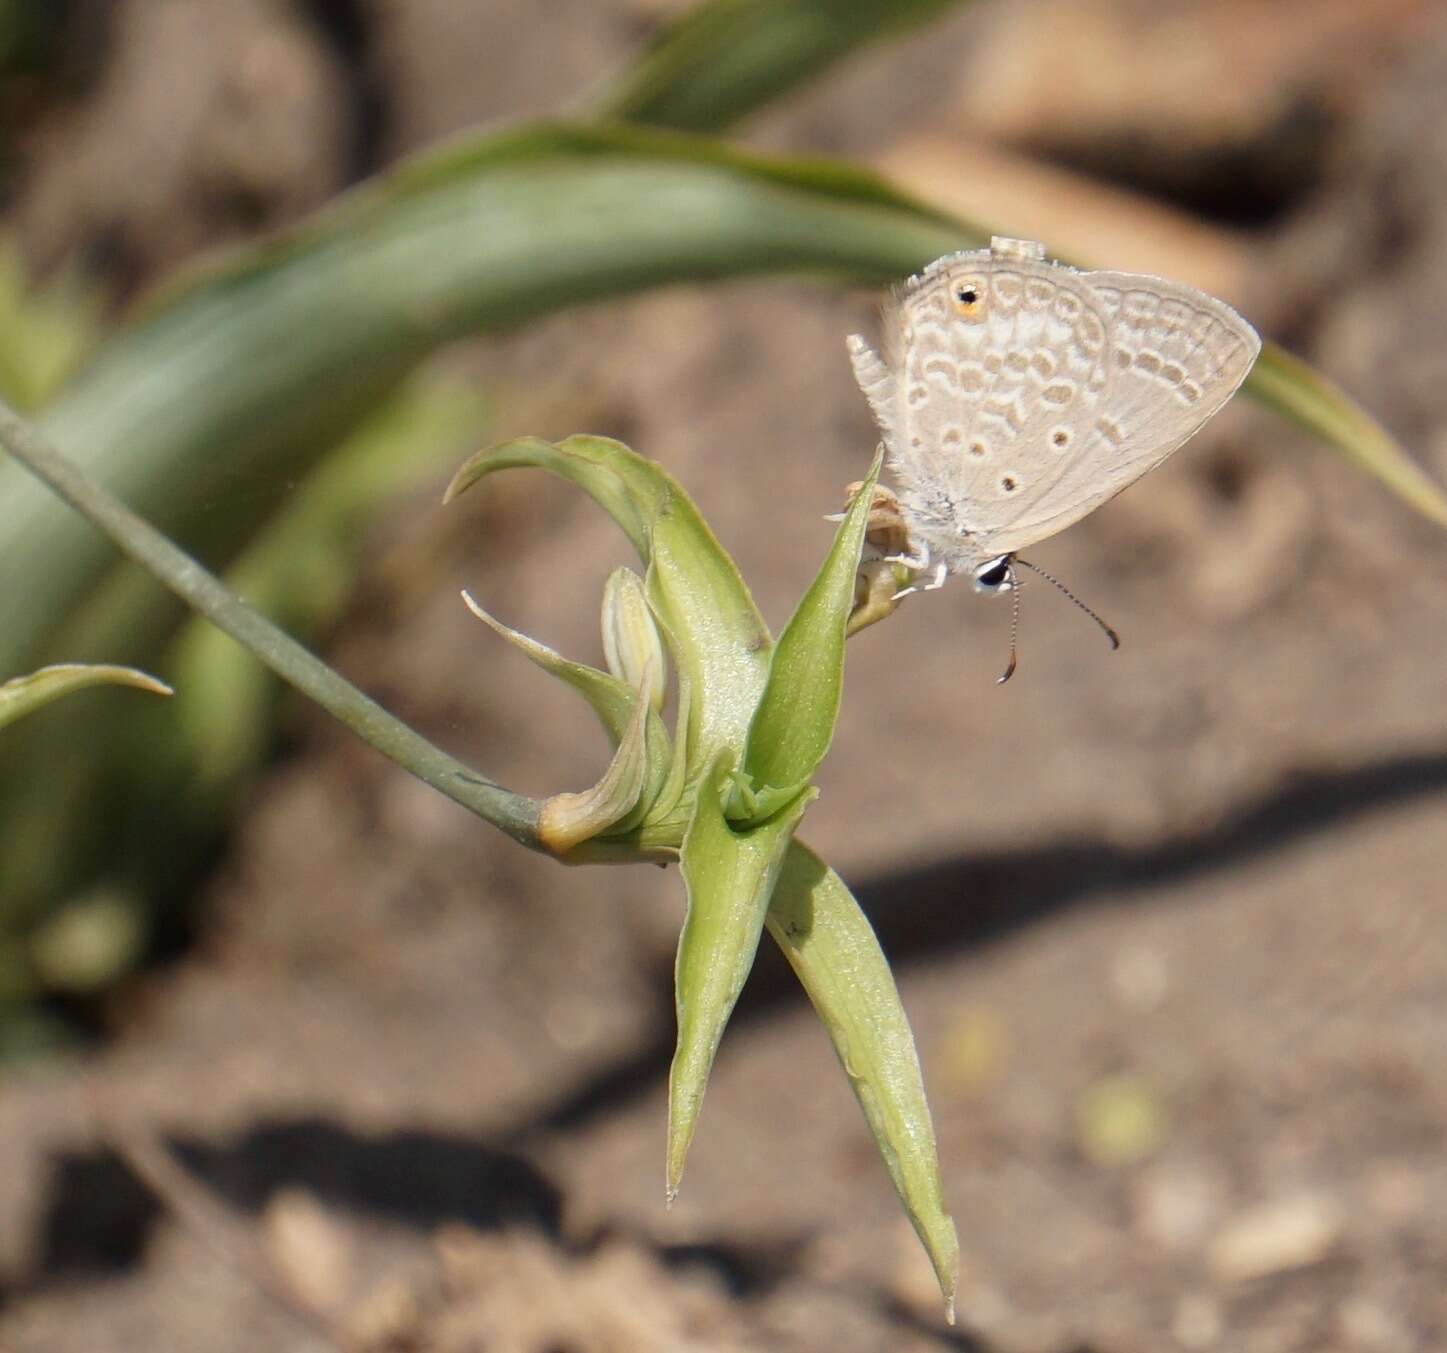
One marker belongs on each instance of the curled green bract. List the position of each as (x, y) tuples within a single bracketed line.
[(23, 695), (724, 791)]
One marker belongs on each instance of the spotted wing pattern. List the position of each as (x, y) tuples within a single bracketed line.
[(1017, 395)]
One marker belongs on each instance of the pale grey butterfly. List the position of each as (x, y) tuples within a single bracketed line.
[(1016, 395)]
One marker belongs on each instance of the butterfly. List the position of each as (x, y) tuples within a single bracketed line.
[(1016, 394)]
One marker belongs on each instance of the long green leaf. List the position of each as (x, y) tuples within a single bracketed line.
[(725, 58), (832, 948)]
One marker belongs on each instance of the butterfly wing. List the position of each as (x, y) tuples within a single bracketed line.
[(1017, 395), (1175, 356)]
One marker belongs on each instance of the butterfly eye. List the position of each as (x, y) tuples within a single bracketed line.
[(995, 576)]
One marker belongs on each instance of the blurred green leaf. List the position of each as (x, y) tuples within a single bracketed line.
[(299, 569), (725, 58), (730, 877), (24, 695), (1305, 397), (794, 723), (89, 942), (44, 330), (832, 948)]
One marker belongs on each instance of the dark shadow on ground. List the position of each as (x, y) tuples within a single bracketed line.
[(100, 1215), (968, 901)]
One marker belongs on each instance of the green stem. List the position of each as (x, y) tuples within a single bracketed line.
[(511, 813)]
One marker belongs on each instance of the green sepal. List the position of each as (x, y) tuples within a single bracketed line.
[(730, 878), (794, 723), (833, 950)]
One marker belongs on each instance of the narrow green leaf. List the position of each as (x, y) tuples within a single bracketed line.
[(1288, 385), (832, 948), (730, 877), (725, 58), (794, 723), (24, 695)]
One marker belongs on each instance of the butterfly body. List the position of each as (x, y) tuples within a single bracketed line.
[(1015, 395)]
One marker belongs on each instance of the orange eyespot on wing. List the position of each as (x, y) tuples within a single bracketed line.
[(967, 297)]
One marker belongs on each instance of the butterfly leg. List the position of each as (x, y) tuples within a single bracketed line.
[(917, 563)]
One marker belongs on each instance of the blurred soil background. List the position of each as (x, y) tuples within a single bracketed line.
[(1169, 922)]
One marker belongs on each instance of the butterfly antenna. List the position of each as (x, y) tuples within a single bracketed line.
[(1014, 632), (1034, 568)]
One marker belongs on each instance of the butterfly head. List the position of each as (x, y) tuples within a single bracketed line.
[(995, 576)]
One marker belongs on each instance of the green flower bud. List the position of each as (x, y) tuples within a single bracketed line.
[(632, 647)]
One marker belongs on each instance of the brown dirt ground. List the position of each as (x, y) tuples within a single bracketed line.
[(1169, 923)]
